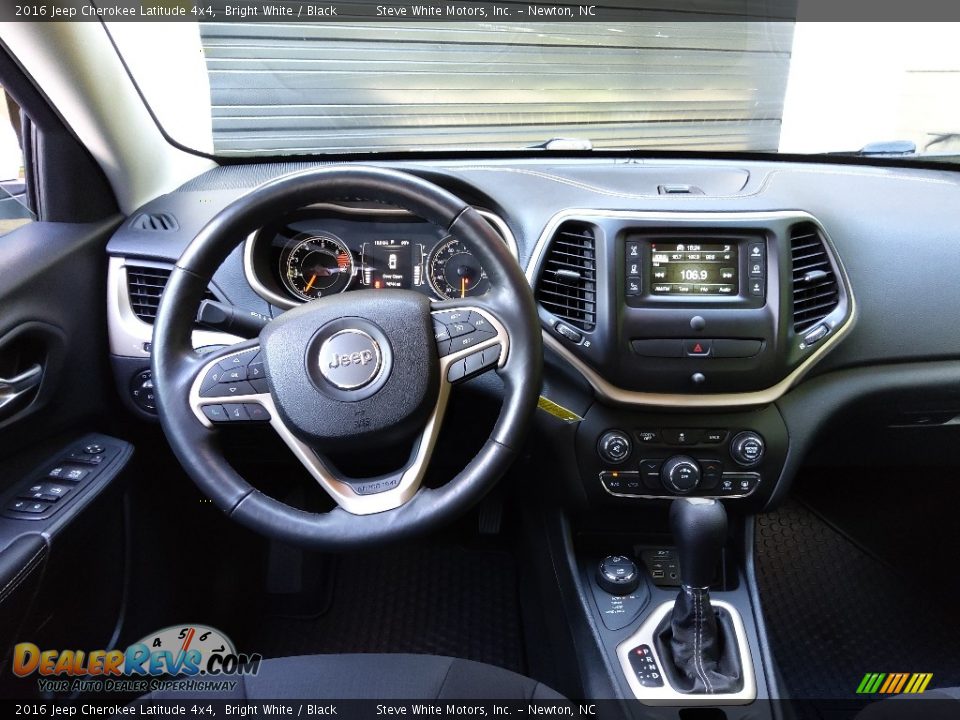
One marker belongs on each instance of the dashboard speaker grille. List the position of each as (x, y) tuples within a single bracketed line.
[(567, 286), (144, 286), (815, 289)]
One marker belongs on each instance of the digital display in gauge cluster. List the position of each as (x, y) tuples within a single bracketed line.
[(392, 264), (311, 262)]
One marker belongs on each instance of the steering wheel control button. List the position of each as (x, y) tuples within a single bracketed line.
[(232, 389), (618, 575), (440, 332), (215, 413), (614, 446), (256, 412), (233, 375), (256, 371), (350, 359), (241, 359), (236, 412), (747, 448), (681, 474)]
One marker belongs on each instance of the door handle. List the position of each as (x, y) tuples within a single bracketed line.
[(12, 389)]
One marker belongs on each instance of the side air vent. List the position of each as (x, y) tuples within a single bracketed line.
[(567, 287), (815, 289), (145, 285), (155, 222)]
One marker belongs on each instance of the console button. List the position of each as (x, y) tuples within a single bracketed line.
[(757, 251), (633, 285), (632, 250), (714, 437), (568, 332), (755, 267), (747, 448), (614, 446), (649, 436), (712, 473), (674, 436), (650, 474), (736, 348), (680, 474), (756, 286), (613, 481), (658, 348), (697, 348)]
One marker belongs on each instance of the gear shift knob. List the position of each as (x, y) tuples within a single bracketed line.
[(699, 527)]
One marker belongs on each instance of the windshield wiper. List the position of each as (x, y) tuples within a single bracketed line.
[(560, 143)]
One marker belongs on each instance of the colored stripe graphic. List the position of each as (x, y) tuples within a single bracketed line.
[(894, 683)]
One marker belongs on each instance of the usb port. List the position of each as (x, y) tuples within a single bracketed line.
[(657, 574)]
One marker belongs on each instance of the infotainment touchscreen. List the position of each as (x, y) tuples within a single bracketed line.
[(692, 268)]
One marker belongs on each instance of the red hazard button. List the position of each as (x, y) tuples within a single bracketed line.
[(697, 348)]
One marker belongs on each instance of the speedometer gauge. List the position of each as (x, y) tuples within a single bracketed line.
[(453, 271), (316, 266)]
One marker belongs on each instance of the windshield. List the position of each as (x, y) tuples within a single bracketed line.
[(259, 89)]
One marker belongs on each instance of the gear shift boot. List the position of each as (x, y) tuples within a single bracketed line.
[(698, 645)]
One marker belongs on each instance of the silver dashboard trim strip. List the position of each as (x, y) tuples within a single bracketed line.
[(612, 393), (289, 303)]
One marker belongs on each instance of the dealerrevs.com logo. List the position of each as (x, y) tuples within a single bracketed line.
[(179, 657)]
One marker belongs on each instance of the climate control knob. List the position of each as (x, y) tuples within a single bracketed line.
[(614, 446), (681, 474), (747, 448)]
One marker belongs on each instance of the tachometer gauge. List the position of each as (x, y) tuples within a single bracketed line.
[(453, 271), (316, 266)]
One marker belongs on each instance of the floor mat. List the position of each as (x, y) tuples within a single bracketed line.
[(439, 601), (835, 612)]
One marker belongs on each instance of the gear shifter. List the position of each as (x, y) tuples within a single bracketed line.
[(697, 641)]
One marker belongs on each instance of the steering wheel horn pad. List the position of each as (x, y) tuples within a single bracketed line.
[(391, 404)]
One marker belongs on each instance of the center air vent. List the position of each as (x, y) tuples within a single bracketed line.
[(567, 286), (815, 290), (144, 285)]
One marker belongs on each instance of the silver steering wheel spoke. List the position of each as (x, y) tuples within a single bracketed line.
[(232, 387)]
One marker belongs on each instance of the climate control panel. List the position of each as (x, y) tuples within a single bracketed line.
[(735, 456)]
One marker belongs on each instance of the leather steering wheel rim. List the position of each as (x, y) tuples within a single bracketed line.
[(175, 364)]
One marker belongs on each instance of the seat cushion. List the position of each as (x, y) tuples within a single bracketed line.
[(374, 677)]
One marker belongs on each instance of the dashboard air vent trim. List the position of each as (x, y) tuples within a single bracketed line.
[(567, 286), (815, 288), (155, 222), (145, 284)]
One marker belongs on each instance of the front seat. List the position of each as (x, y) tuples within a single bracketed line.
[(374, 677)]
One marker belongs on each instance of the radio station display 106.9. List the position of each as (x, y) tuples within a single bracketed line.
[(685, 268)]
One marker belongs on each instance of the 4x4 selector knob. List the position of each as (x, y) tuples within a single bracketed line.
[(747, 448), (614, 446), (680, 473)]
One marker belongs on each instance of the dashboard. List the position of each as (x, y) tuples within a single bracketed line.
[(334, 248), (696, 342)]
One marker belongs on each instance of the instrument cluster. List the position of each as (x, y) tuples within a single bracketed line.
[(319, 252)]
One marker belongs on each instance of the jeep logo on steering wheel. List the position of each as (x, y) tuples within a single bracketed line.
[(350, 359)]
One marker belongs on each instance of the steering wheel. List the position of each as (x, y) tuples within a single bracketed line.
[(357, 371)]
